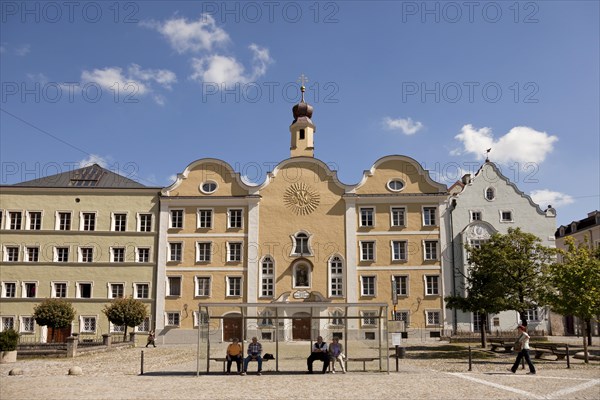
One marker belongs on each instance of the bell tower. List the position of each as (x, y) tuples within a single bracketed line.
[(302, 129)]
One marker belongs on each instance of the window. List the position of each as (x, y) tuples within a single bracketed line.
[(84, 290), (395, 185), (476, 243), (475, 215), (265, 318), (337, 318), (336, 277), (143, 254), (176, 219), (367, 285), (11, 253), (204, 250), (145, 222), (208, 187), (33, 254), (477, 321), (532, 315), (88, 325), (367, 216), (59, 289), (9, 289), (64, 221), (402, 316), (203, 286), (175, 251), (302, 134), (15, 218), (8, 323), (86, 254), (234, 251), (116, 290), (267, 277), (401, 283), (431, 252), (61, 254), (117, 328), (234, 286), (119, 222), (200, 317), (301, 275), (142, 291), (506, 216), (144, 326), (369, 318), (490, 194), (398, 216), (301, 246), (88, 221), (174, 286), (205, 218), (429, 216), (118, 254), (432, 285), (27, 325), (234, 218), (399, 250), (367, 251), (29, 289), (173, 318), (433, 317), (35, 220)]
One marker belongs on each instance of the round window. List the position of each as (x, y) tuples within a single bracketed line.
[(395, 185), (208, 187)]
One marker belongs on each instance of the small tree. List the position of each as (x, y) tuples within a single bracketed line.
[(55, 313), (9, 339), (126, 311), (575, 284)]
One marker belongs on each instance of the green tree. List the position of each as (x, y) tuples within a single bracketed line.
[(126, 311), (55, 313), (506, 273), (575, 284)]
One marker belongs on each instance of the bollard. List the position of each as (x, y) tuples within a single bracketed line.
[(142, 363), (568, 358), (397, 357), (470, 359)]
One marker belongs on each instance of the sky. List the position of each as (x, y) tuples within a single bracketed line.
[(144, 88)]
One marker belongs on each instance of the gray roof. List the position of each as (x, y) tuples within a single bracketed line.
[(92, 176)]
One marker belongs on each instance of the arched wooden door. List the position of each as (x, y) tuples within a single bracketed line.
[(232, 327), (301, 326)]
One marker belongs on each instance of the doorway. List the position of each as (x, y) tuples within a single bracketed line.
[(232, 327), (301, 323), (58, 335)]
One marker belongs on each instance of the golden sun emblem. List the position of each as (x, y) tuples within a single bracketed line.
[(301, 198)]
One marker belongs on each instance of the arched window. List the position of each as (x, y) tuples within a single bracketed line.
[(266, 318), (337, 318), (336, 277), (301, 246), (267, 275), (301, 275), (490, 194)]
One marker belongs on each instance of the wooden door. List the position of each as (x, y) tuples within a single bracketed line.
[(232, 327), (301, 328), (60, 334)]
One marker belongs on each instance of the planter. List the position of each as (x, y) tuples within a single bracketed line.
[(7, 357)]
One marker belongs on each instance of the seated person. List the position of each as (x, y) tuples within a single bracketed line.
[(234, 353), (254, 353), (336, 352), (319, 352)]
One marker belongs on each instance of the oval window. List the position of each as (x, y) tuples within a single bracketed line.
[(490, 193), (208, 187), (395, 185)]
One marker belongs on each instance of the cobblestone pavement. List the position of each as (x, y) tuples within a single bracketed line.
[(170, 373)]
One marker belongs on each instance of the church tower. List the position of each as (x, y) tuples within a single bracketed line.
[(302, 128)]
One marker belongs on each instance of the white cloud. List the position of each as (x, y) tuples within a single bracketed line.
[(95, 159), (192, 36), (23, 50), (222, 69), (171, 179), (163, 77), (545, 197), (406, 125), (109, 77), (521, 144), (40, 78)]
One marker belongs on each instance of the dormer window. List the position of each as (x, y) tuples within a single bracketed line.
[(302, 134)]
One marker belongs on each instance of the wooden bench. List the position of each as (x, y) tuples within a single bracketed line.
[(224, 361), (507, 344), (557, 349), (364, 360)]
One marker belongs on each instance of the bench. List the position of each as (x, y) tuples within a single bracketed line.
[(224, 361), (557, 349), (507, 344), (364, 360)]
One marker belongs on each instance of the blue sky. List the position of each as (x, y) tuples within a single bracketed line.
[(145, 88)]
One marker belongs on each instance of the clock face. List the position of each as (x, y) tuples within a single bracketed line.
[(301, 198)]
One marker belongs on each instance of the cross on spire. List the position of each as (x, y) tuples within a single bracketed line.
[(302, 80), (487, 155)]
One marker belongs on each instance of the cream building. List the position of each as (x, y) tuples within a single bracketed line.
[(88, 236), (301, 236)]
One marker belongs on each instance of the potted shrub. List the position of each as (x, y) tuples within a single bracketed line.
[(9, 339)]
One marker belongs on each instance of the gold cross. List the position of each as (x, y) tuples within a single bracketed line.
[(302, 79)]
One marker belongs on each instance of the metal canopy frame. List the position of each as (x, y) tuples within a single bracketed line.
[(381, 318)]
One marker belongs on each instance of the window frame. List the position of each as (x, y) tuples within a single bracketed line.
[(366, 316), (59, 222), (55, 292), (426, 215), (295, 243), (171, 212), (22, 326), (5, 291), (174, 314), (336, 275), (493, 191), (437, 312), (168, 284), (230, 218), (82, 321), (295, 283), (404, 216), (28, 255), (229, 287), (28, 219), (197, 286), (363, 286), (113, 222), (25, 292), (57, 251), (267, 279), (365, 224), (137, 254), (111, 291), (82, 220), (139, 226), (510, 212), (362, 252), (429, 289), (10, 222), (472, 214), (199, 253), (170, 254), (8, 253), (78, 291), (137, 286), (398, 279), (199, 219), (393, 251), (429, 257), (229, 252), (80, 254), (113, 254)]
